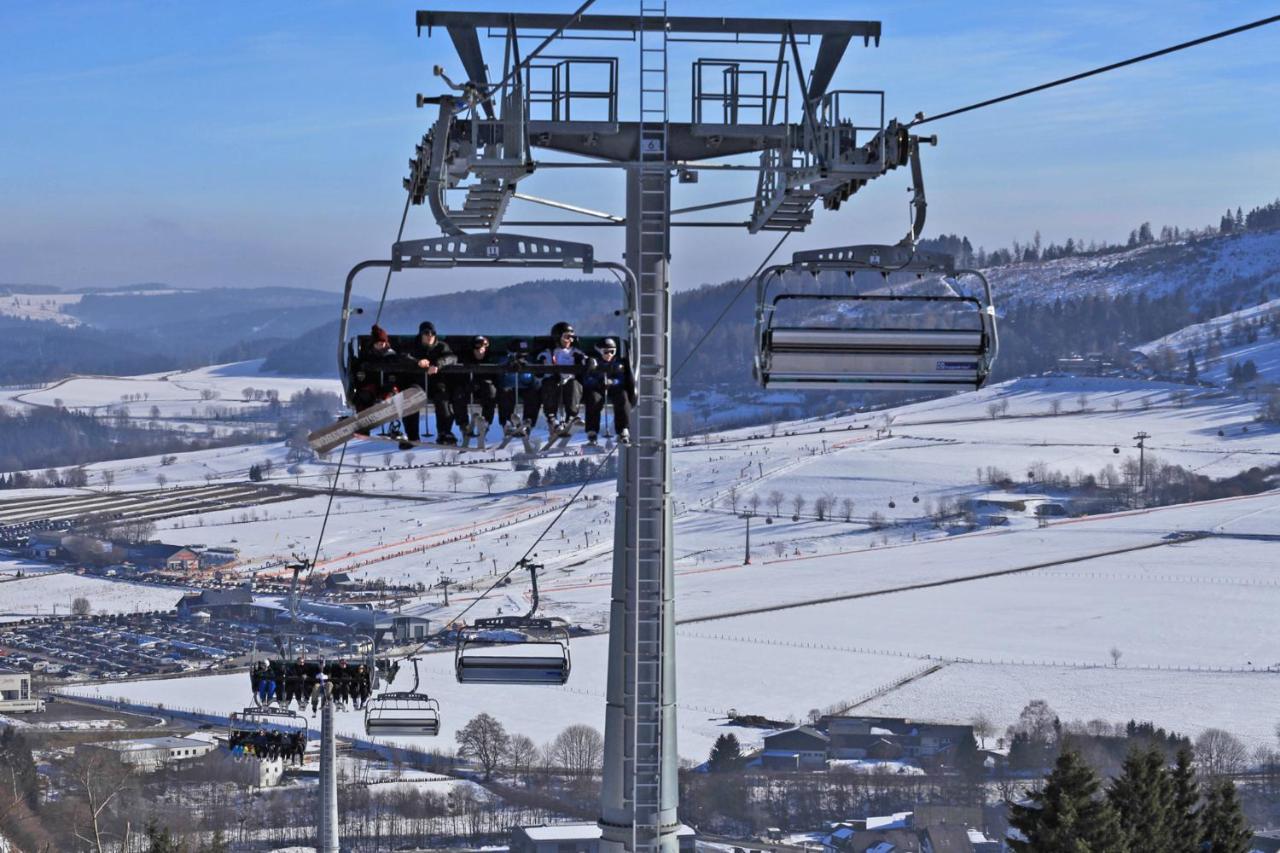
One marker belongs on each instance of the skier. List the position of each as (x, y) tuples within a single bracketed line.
[(612, 380), (475, 388), (562, 390), (432, 354), (521, 390)]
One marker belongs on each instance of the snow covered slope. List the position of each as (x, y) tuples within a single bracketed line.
[(1237, 263), (1229, 332), (901, 615)]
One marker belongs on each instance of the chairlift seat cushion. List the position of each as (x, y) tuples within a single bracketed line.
[(971, 341)]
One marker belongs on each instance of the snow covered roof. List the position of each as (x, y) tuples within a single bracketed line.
[(577, 832), (150, 743)]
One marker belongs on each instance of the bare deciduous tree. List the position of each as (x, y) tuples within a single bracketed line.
[(1220, 753), (108, 478), (1116, 654), (993, 410), (161, 480), (455, 478), (423, 476), (488, 478), (797, 504), (846, 507), (578, 750), (753, 503), (393, 477), (522, 755), (982, 727), (1055, 406), (80, 606), (483, 740), (775, 501)]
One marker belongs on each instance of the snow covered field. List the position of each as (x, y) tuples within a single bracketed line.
[(49, 593), (1069, 592), (174, 395)]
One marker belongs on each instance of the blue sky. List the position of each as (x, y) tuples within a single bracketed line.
[(250, 143)]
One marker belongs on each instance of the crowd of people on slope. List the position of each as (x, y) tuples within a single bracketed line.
[(268, 744), (516, 396)]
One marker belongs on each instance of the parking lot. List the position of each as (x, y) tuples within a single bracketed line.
[(142, 645)]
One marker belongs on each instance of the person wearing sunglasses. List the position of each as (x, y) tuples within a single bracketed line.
[(611, 380)]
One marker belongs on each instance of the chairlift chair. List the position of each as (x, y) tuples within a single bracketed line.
[(899, 357), (484, 251), (406, 713), (514, 649), (276, 719)]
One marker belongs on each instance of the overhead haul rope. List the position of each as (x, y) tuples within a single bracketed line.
[(732, 302), (1102, 70)]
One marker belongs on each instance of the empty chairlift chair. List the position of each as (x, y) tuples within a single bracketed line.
[(409, 713), (514, 649), (885, 355)]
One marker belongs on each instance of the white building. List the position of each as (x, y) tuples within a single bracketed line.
[(575, 838), (16, 695), (148, 754)]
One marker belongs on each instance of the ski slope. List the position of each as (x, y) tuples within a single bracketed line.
[(830, 613)]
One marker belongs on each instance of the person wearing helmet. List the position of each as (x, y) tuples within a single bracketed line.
[(431, 354), (520, 389), (562, 390), (475, 389), (610, 380)]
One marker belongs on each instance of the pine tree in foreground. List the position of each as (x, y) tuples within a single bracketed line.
[(1223, 825), (1185, 822), (1067, 815), (1143, 799)]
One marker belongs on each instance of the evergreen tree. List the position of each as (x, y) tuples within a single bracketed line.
[(1193, 372), (1066, 815), (1185, 819), (1223, 826), (160, 840), (726, 754), (1143, 799)]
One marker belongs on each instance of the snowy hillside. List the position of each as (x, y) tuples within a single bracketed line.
[(1222, 342), (880, 605), (1238, 265)]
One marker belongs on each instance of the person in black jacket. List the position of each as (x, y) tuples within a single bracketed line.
[(475, 388), (431, 354), (610, 380)]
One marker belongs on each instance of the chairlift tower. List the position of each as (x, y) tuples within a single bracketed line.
[(813, 145)]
